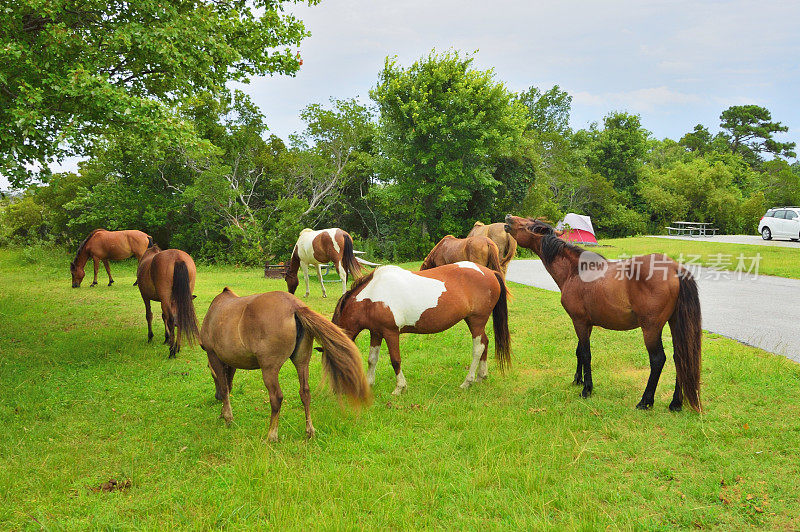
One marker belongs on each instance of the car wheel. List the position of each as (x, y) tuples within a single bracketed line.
[(766, 234)]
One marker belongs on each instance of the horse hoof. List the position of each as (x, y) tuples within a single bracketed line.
[(675, 407), (644, 406), (110, 283), (586, 392), (465, 385), (398, 391), (93, 284), (273, 438), (310, 433)]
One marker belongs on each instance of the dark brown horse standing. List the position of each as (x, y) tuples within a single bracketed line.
[(647, 292), (263, 331), (321, 247), (391, 300), (168, 277), (478, 249), (506, 245), (102, 246)]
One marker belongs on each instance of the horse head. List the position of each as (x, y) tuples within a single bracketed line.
[(78, 273), (528, 232)]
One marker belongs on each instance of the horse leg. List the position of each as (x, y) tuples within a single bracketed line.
[(321, 282), (342, 276), (483, 369), (305, 274), (655, 349), (393, 346), (96, 266), (148, 314), (579, 370), (479, 345), (677, 398), (108, 271), (584, 354), (374, 350), (169, 328), (219, 372), (300, 359), (270, 376)]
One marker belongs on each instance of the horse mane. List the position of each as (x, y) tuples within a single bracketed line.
[(83, 244), (357, 283), (552, 246)]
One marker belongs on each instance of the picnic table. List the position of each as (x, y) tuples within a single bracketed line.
[(692, 229)]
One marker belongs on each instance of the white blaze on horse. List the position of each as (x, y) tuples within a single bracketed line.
[(314, 248), (391, 300)]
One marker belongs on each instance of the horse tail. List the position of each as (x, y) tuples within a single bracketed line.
[(341, 359), (150, 241), (686, 326), (510, 253), (186, 319), (495, 264), (351, 265), (502, 338), (290, 273)]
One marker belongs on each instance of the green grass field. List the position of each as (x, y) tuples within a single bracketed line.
[(85, 400), (780, 261)]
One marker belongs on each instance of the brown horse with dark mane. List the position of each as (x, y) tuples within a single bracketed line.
[(263, 331), (168, 277), (321, 247), (391, 301), (506, 245), (642, 292), (102, 245), (478, 249)]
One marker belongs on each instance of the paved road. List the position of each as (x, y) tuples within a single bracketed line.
[(736, 239), (755, 310)]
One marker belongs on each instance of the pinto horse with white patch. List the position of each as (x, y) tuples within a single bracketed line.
[(391, 300), (316, 248)]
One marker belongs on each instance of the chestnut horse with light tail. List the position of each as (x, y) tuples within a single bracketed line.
[(263, 331), (390, 301), (102, 245), (478, 249), (506, 245), (642, 292), (321, 247), (168, 277)]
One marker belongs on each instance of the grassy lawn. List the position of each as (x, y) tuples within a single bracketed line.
[(780, 261), (86, 399)]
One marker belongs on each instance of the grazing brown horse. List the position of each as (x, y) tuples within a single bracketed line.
[(102, 245), (391, 300), (506, 245), (168, 277), (262, 331), (646, 292), (321, 247), (478, 249)]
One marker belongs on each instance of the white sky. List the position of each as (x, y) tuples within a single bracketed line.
[(675, 62)]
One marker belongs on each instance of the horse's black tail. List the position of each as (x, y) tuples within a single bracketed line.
[(351, 265), (186, 319), (686, 326), (150, 241), (502, 338)]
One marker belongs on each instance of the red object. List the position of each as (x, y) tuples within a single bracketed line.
[(579, 235)]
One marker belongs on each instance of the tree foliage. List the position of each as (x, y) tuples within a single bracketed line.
[(750, 132), (70, 72)]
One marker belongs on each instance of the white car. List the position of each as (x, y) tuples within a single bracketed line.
[(780, 222)]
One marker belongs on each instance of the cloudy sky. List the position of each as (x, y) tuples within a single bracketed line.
[(677, 63)]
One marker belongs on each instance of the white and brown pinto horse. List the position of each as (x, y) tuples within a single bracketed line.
[(102, 245), (391, 300), (314, 248), (263, 331)]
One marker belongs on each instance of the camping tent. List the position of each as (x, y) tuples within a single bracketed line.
[(577, 228)]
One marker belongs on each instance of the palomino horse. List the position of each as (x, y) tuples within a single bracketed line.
[(168, 276), (102, 245), (646, 291), (263, 331), (320, 247), (478, 249), (391, 300), (506, 245)]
